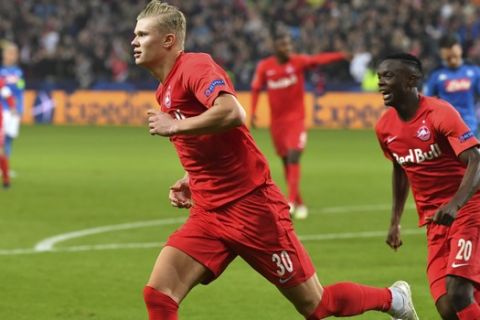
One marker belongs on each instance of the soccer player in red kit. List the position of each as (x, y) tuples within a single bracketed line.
[(235, 208), (6, 94), (434, 152), (282, 74)]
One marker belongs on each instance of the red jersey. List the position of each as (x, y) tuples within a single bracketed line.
[(285, 83), (427, 147), (222, 167)]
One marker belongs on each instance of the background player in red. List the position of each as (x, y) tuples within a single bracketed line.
[(235, 209), (282, 74), (6, 94), (435, 153)]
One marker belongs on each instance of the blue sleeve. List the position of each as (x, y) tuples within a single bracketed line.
[(430, 86)]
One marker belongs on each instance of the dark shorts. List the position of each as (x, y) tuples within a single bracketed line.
[(257, 227)]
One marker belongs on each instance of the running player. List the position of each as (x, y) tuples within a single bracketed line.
[(434, 152), (235, 208)]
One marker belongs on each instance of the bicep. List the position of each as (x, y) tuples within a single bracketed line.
[(469, 155)]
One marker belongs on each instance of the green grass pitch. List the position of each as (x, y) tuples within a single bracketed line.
[(77, 178)]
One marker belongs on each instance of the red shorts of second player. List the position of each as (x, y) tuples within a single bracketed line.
[(288, 136), (257, 227), (453, 250)]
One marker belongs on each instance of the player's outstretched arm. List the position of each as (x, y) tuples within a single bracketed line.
[(400, 188), (225, 113), (447, 213)]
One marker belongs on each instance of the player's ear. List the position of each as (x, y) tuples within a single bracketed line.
[(169, 40)]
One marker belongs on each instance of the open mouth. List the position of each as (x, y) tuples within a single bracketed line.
[(387, 95)]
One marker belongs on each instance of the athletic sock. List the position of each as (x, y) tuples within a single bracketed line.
[(293, 180), (472, 312), (159, 305), (4, 169), (348, 299)]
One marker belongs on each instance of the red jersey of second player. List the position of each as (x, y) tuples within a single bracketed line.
[(222, 167), (427, 147), (285, 83)]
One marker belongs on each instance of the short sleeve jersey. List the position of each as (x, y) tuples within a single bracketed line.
[(459, 87), (285, 83), (222, 167), (427, 148)]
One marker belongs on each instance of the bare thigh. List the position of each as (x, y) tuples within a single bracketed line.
[(175, 273), (306, 296)]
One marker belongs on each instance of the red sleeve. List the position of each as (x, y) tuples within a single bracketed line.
[(258, 81), (321, 58), (207, 80), (381, 141), (448, 122)]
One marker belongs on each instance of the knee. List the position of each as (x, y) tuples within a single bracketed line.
[(459, 292), (445, 309), (307, 305)]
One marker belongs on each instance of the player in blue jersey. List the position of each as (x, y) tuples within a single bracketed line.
[(13, 76), (456, 81)]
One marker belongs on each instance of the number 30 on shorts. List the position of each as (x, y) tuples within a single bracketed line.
[(464, 250), (283, 262)]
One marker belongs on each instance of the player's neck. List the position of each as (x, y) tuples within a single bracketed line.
[(408, 107), (161, 71)]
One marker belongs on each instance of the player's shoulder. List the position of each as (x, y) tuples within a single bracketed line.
[(197, 58), (385, 120), (436, 107)]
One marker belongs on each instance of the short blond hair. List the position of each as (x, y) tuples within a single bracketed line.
[(170, 18)]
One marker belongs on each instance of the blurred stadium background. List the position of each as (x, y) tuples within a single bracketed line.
[(84, 161)]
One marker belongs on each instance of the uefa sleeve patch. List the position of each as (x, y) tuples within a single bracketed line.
[(212, 86), (464, 137)]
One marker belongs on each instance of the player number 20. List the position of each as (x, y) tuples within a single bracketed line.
[(283, 262), (465, 251)]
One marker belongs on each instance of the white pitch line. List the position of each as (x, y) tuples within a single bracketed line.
[(147, 245), (48, 245)]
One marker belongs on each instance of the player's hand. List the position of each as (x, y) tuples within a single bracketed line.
[(253, 122), (161, 123), (393, 237), (445, 215), (180, 195)]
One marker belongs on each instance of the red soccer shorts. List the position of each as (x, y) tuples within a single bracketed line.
[(288, 136), (454, 250), (256, 227)]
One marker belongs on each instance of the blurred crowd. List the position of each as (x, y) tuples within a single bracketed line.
[(86, 43)]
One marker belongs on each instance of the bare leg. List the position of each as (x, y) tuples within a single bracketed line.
[(175, 273), (306, 296)]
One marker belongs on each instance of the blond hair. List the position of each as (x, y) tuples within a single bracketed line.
[(170, 18)]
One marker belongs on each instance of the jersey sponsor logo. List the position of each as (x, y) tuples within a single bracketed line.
[(455, 85), (423, 133), (289, 69), (282, 82), (212, 86), (417, 155), (467, 135)]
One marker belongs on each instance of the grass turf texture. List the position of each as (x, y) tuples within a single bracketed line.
[(74, 178)]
